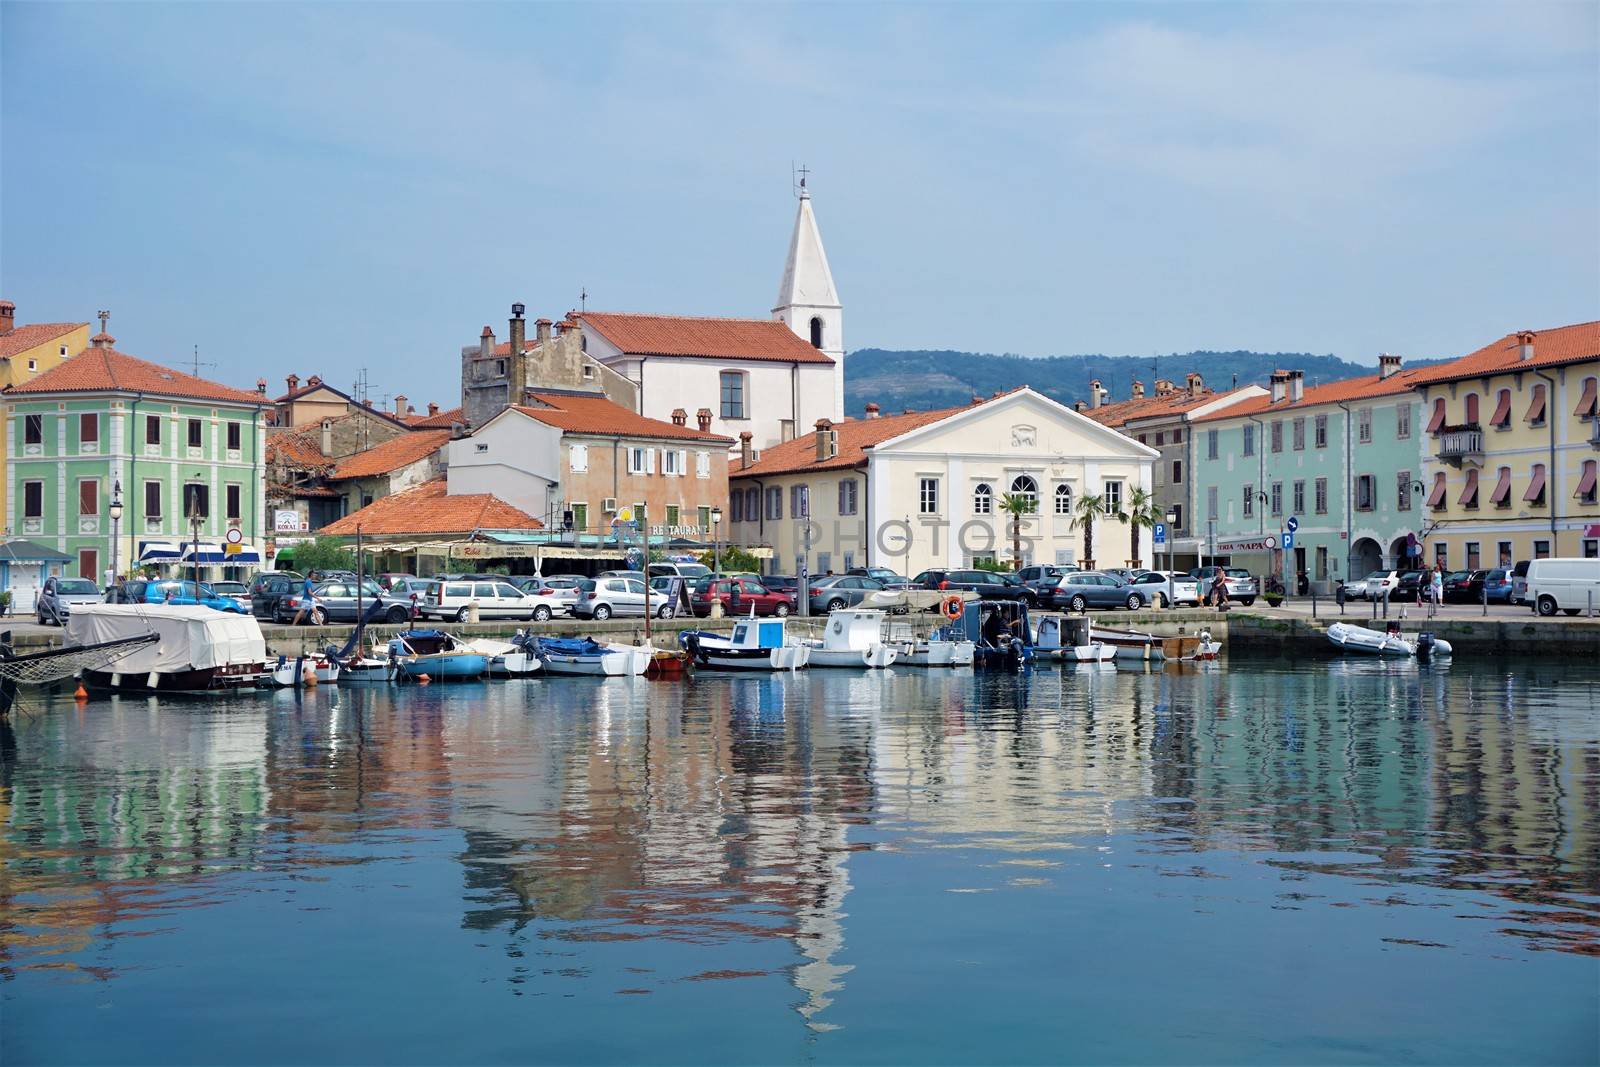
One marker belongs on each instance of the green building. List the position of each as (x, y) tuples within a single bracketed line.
[(1344, 459), (105, 429)]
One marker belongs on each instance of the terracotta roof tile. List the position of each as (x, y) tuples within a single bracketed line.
[(1551, 348), (399, 451), (300, 449), (98, 370), (710, 338), (592, 414), (855, 437), (23, 338), (1148, 407), (442, 421), (430, 509), (1366, 387)]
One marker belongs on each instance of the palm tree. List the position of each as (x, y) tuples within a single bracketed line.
[(1017, 505), (1088, 508), (1142, 511)]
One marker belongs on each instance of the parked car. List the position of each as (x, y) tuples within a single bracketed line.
[(1519, 582), (270, 587), (601, 598), (1127, 574), (1354, 588), (1565, 584), (60, 594), (1239, 583), (782, 583), (1160, 585), (888, 578), (1495, 586), (691, 571), (1380, 583), (738, 596), (1408, 586), (335, 602), (841, 591), (390, 578), (181, 593), (495, 599), (1042, 577), (234, 590), (1081, 590), (1463, 587), (989, 585)]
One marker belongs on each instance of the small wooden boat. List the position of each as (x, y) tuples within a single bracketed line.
[(756, 645), (1349, 638), (507, 659), (362, 670), (1136, 644), (851, 638), (302, 671), (586, 656), (436, 654), (667, 664), (1069, 637)]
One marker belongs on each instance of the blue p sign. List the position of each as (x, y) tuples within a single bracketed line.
[(1158, 533)]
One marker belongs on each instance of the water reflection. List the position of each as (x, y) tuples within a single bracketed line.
[(709, 831)]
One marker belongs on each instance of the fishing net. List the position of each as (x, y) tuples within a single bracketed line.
[(52, 665)]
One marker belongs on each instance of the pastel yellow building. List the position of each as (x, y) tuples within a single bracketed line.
[(27, 352), (1513, 470)]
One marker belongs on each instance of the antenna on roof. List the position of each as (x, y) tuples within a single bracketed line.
[(195, 362), (583, 299), (105, 317)]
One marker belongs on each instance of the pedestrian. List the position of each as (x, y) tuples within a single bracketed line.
[(1436, 590), (308, 603)]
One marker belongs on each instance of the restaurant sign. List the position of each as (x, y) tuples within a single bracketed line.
[(488, 550), (1259, 543)]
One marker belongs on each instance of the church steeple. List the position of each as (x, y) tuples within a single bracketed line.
[(807, 300)]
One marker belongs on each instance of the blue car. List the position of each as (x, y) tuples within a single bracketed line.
[(1496, 586), (173, 591)]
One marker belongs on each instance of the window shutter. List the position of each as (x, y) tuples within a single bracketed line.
[(683, 461)]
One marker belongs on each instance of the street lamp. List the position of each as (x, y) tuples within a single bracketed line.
[(1172, 523), (716, 539), (116, 525)]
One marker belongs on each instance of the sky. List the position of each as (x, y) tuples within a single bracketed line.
[(326, 188)]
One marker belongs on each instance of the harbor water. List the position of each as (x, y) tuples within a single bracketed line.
[(1251, 861)]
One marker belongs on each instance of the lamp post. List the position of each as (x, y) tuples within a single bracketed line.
[(716, 539), (1172, 519), (116, 525)]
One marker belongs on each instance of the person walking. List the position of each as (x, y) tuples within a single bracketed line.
[(308, 603), (1435, 591)]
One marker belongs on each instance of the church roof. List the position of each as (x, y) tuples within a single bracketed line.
[(704, 338), (807, 281)]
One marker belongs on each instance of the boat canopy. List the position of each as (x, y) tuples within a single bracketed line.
[(764, 633), (191, 638)]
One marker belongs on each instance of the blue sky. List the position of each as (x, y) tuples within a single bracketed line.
[(317, 189)]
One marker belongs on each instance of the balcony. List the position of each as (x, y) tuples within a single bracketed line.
[(1459, 444)]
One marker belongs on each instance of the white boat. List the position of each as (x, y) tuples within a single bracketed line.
[(756, 645), (851, 637), (583, 655), (1070, 637), (941, 648), (1350, 638), (304, 670), (363, 669), (200, 650), (506, 659)]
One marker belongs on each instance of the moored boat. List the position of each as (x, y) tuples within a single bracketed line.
[(301, 671), (1069, 638), (1139, 645), (199, 651), (1350, 638), (436, 654), (507, 659), (756, 645), (851, 637), (586, 656)]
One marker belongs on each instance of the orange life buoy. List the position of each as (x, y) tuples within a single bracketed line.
[(954, 607)]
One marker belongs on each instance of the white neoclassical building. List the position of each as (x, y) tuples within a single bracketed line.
[(923, 490)]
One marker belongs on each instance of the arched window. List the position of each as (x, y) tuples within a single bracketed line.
[(983, 499), (1063, 499), (816, 331), (1025, 486)]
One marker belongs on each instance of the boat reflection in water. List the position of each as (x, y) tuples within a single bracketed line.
[(839, 865)]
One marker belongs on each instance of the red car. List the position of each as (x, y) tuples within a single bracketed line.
[(738, 595)]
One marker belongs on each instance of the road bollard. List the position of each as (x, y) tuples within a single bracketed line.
[(1484, 591), (1313, 603)]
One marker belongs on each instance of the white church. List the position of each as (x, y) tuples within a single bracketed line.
[(770, 378)]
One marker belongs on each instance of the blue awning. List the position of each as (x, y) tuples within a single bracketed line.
[(214, 554), (158, 551)]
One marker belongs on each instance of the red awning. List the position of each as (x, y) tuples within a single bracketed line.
[(1535, 487), (1502, 409), (1586, 403), (1536, 409), (1586, 483), (1438, 416), (1436, 496), (1502, 488), (1469, 495)]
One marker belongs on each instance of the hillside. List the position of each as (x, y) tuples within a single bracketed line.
[(922, 379)]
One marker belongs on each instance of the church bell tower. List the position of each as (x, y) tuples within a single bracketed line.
[(807, 301)]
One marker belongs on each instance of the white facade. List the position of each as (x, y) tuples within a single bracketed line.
[(516, 458)]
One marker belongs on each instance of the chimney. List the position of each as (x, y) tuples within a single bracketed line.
[(314, 380), (517, 361), (519, 330), (486, 343), (433, 409), (541, 331), (1138, 389), (976, 399), (327, 437), (400, 405), (1280, 385), (261, 386), (1297, 386), (680, 417), (8, 316), (745, 437), (1195, 383), (872, 409), (1079, 406), (703, 417), (827, 443), (1165, 386), (1095, 393), (293, 381), (1387, 364), (1525, 345)]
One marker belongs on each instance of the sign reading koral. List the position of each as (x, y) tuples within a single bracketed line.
[(286, 521), (1264, 543)]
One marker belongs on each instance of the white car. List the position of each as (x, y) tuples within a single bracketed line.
[(1381, 583), (1571, 585), (452, 601), (1183, 589)]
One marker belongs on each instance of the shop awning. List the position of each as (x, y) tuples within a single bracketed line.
[(158, 551), (1535, 487), (1502, 488), (1436, 495), (215, 554)]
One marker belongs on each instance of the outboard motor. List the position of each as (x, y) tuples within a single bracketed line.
[(1425, 644)]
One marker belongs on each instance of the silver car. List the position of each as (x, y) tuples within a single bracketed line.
[(60, 594), (601, 598), (841, 591)]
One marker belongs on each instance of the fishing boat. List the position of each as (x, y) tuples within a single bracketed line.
[(756, 645), (1139, 645), (1069, 638), (198, 650), (944, 647), (851, 638), (998, 631), (1350, 638), (584, 655), (507, 659), (295, 673), (665, 663), (363, 670), (436, 654)]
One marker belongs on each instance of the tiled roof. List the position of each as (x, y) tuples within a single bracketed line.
[(1551, 348), (302, 449), (855, 436), (399, 451), (1148, 407), (1366, 387), (98, 370), (441, 421), (429, 509), (23, 338), (710, 338), (590, 413)]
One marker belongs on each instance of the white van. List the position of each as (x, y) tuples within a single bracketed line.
[(1570, 585)]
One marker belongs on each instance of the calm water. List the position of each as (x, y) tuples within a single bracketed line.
[(1330, 862)]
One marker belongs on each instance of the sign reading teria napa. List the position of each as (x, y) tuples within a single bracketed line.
[(286, 521), (1265, 543)]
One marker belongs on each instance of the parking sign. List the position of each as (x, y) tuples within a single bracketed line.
[(1158, 533)]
